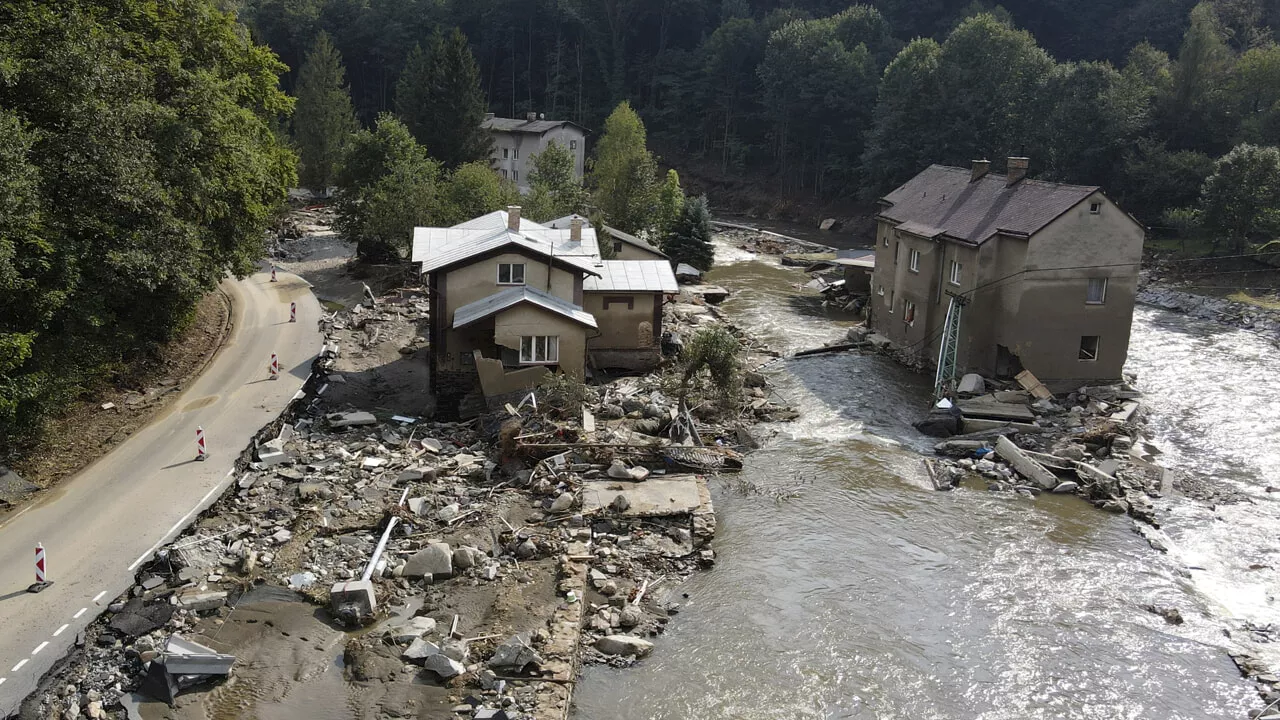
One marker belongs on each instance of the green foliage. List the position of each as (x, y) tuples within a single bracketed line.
[(438, 96), (323, 120), (1241, 199), (564, 393), (623, 173), (714, 349), (898, 145), (689, 240), (473, 190), (1255, 89), (387, 185), (1153, 178), (554, 188), (1194, 114), (669, 204), (140, 166), (1095, 119)]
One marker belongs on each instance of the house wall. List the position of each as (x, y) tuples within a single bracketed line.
[(513, 323), (623, 327), (901, 285), (1046, 313), (573, 139), (627, 251), (520, 147)]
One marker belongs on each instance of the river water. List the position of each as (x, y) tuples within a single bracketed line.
[(866, 594)]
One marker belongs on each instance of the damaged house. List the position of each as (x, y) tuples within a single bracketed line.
[(512, 299), (1049, 272)]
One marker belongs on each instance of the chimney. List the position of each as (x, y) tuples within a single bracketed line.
[(488, 116), (980, 168), (531, 116), (575, 229), (1017, 170), (513, 218)]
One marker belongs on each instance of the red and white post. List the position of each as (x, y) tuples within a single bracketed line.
[(201, 453), (275, 366), (42, 576), (293, 312), (273, 272)]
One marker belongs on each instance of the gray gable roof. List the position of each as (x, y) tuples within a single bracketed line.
[(537, 127), (496, 303), (942, 201)]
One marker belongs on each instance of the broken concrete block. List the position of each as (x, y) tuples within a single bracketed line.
[(466, 557), (456, 649), (197, 600), (420, 649), (562, 503), (1026, 467), (419, 506), (971, 384), (302, 580), (444, 666), (434, 561), (267, 458), (624, 645), (351, 419), (353, 600), (411, 629), (515, 653), (431, 445)]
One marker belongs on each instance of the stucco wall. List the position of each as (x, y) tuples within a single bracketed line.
[(629, 251), (901, 285), (521, 147), (479, 280), (510, 325), (495, 380), (621, 327)]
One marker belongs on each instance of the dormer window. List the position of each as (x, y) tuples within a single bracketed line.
[(510, 273)]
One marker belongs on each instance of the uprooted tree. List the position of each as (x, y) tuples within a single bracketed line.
[(715, 350)]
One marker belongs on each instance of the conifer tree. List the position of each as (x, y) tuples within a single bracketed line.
[(438, 97), (323, 121), (690, 238)]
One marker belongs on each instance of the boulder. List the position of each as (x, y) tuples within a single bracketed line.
[(624, 645), (515, 653), (444, 666), (435, 561), (972, 384), (420, 649), (465, 557), (562, 503)]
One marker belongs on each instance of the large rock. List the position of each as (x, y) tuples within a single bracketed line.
[(411, 629), (435, 561), (420, 649), (467, 557), (971, 384), (515, 653), (624, 645), (444, 666), (940, 423)]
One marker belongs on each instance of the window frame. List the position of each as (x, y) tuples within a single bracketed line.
[(1083, 355), (515, 176), (1088, 291), (913, 260), (1095, 208), (515, 153), (957, 270), (908, 312), (550, 349), (617, 246), (506, 153), (573, 144), (511, 273)]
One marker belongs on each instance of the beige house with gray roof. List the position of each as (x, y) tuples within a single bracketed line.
[(1049, 270)]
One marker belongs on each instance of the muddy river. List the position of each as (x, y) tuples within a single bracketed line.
[(866, 594)]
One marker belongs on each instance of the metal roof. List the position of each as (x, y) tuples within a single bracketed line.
[(633, 276), (536, 127), (630, 239), (943, 201), (496, 303), (440, 247)]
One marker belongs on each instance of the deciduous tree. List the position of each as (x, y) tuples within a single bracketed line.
[(554, 188), (623, 172), (1241, 199)]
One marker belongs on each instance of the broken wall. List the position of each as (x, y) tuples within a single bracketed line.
[(626, 320), (526, 319)]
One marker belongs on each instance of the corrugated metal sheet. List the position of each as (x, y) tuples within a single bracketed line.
[(633, 276), (480, 309)]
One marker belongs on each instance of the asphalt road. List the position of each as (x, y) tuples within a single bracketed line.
[(100, 525)]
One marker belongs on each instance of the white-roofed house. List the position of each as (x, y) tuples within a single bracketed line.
[(512, 299), (625, 245)]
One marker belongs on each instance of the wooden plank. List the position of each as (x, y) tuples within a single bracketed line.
[(588, 421), (1026, 467), (1032, 384)]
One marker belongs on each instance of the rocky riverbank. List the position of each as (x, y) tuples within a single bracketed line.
[(526, 541), (1222, 310)]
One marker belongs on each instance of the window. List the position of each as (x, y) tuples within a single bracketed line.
[(897, 251), (505, 153), (1089, 347), (617, 246), (886, 237), (573, 144), (1095, 207), (515, 154), (539, 349), (955, 272), (510, 273), (908, 312), (915, 261), (1097, 291), (515, 175), (504, 173), (628, 300)]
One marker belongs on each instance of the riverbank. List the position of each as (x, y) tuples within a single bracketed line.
[(528, 541)]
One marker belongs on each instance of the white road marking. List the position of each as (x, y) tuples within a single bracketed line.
[(2, 680), (18, 667), (77, 615), (59, 631), (176, 525), (98, 597), (40, 647)]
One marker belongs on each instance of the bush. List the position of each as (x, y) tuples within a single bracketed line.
[(715, 349)]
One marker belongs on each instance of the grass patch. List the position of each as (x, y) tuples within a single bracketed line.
[(1267, 303)]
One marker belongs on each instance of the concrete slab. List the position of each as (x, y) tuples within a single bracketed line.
[(672, 496), (988, 406)]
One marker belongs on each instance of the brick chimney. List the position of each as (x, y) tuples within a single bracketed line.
[(513, 218), (1017, 170), (980, 169), (531, 116), (575, 230)]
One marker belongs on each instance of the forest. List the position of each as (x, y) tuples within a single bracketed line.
[(834, 100)]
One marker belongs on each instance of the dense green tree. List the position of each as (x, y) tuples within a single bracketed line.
[(689, 240), (730, 86), (323, 121), (554, 187), (1194, 113), (1095, 117), (473, 190), (1153, 179), (140, 165), (1255, 90), (865, 25), (387, 185), (623, 173), (438, 97), (898, 145), (669, 204), (1241, 199)]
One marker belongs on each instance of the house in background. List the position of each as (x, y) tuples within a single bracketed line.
[(625, 246), (1050, 272), (516, 141), (512, 299)]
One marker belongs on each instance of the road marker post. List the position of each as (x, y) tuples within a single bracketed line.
[(275, 367), (201, 453), (273, 272), (293, 312), (42, 579)]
